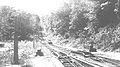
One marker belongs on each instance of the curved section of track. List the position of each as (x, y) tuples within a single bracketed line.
[(66, 60), (69, 59)]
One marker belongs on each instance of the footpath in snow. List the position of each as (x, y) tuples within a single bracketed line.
[(45, 61), (48, 60)]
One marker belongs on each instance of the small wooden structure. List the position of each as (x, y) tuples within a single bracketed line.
[(2, 45), (39, 53), (92, 49)]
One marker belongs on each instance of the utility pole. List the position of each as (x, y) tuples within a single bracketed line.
[(17, 20)]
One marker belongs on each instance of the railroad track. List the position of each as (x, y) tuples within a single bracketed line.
[(63, 58), (101, 60), (77, 61), (112, 61), (68, 51), (67, 60)]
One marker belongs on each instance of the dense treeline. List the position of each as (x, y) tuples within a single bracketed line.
[(87, 21), (78, 21), (28, 24)]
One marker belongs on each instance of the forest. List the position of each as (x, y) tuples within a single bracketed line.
[(82, 22), (77, 24)]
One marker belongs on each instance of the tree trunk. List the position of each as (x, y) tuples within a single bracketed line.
[(15, 49), (16, 42), (119, 8)]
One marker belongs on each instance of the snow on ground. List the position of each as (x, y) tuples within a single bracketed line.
[(112, 55), (4, 49), (48, 60), (45, 61), (13, 66)]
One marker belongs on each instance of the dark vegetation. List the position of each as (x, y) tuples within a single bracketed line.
[(85, 21), (28, 24)]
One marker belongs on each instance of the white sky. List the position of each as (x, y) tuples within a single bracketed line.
[(40, 7)]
